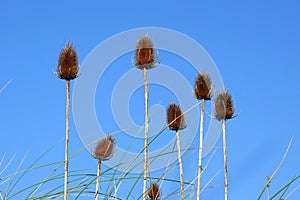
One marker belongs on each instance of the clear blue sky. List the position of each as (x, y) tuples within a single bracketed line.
[(254, 44)]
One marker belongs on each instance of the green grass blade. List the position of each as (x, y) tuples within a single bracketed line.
[(285, 187)]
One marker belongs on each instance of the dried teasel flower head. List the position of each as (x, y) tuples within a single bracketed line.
[(154, 192), (203, 87), (224, 107), (144, 54), (105, 148), (175, 118), (67, 63)]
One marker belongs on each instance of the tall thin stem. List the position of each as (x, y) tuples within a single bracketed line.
[(98, 181), (200, 149), (225, 160), (180, 164), (67, 139), (146, 136)]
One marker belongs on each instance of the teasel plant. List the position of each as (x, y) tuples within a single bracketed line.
[(203, 92), (224, 110), (176, 122), (145, 59), (154, 191), (103, 151), (67, 69)]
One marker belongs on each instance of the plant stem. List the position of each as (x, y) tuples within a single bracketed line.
[(180, 164), (277, 168), (200, 149), (67, 139), (98, 180), (225, 160), (146, 135)]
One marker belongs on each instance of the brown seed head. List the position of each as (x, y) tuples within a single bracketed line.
[(175, 118), (144, 53), (203, 87), (105, 148), (67, 63), (224, 108), (154, 191)]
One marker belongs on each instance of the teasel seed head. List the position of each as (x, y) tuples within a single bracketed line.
[(175, 118), (203, 87), (154, 191), (104, 149), (224, 107), (67, 63), (144, 54)]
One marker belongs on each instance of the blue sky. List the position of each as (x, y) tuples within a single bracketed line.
[(254, 44)]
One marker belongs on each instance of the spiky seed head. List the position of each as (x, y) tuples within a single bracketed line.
[(105, 148), (224, 107), (67, 63), (203, 87), (144, 53), (175, 118), (154, 191)]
